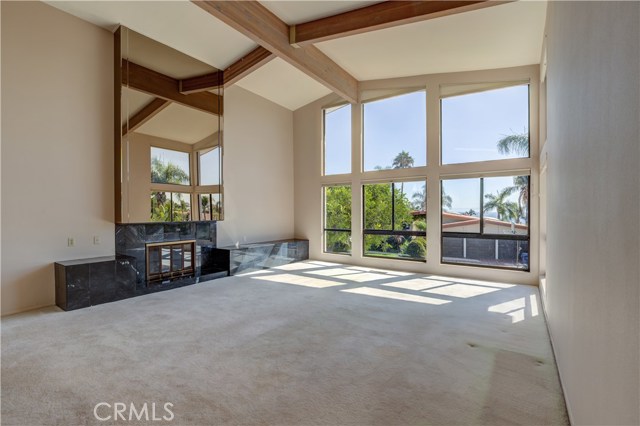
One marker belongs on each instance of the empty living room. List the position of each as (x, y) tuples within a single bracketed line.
[(321, 212)]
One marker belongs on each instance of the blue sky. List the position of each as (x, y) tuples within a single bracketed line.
[(471, 127)]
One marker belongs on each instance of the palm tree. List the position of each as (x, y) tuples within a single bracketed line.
[(419, 200), (521, 184), (506, 210), (447, 201), (517, 143), (402, 161)]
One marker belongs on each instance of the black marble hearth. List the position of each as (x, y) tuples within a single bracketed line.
[(87, 282)]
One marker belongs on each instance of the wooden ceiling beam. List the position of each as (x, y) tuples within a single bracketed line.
[(246, 65), (145, 114), (240, 68), (162, 86), (263, 27), (379, 16)]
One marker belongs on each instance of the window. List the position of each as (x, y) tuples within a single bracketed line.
[(395, 132), (210, 206), (337, 219), (487, 125), (395, 220), (170, 206), (169, 166), (337, 140), (209, 167), (485, 222)]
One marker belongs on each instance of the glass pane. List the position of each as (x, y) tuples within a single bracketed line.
[(166, 259), (481, 252), (209, 167), (216, 203), (337, 140), (377, 206), (395, 246), (337, 242), (187, 254), (169, 166), (461, 205), (337, 207), (204, 203), (160, 206), (506, 205), (410, 206), (154, 260), (489, 125), (176, 260), (181, 207), (395, 132)]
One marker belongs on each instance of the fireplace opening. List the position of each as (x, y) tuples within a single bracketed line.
[(170, 260)]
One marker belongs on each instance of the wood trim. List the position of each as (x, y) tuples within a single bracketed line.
[(379, 16), (240, 68), (147, 113), (117, 133), (201, 83), (262, 26), (162, 86), (246, 65)]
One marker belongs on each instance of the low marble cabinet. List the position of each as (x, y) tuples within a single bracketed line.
[(255, 256)]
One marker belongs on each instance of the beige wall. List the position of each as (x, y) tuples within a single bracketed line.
[(593, 279), (57, 148), (257, 169), (308, 170)]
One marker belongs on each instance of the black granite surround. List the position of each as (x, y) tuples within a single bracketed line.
[(86, 282)]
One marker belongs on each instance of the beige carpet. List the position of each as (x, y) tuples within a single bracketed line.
[(308, 343)]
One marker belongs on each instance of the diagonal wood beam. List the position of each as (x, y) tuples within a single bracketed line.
[(246, 65), (378, 16), (260, 25), (241, 68), (145, 114), (162, 86)]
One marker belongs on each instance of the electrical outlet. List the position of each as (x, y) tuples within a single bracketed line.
[(96, 240), (71, 242)]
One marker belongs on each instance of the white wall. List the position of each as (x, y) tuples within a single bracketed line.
[(257, 169), (593, 279), (57, 147)]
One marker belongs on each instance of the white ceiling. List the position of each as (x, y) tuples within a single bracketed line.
[(499, 36), (180, 123)]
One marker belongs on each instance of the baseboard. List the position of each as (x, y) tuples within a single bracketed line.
[(543, 297), (23, 310)]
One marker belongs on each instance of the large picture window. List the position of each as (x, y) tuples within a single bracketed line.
[(395, 220), (209, 167), (484, 125), (485, 221), (395, 132), (337, 219), (337, 140)]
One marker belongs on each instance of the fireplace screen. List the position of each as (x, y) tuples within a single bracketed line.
[(170, 260)]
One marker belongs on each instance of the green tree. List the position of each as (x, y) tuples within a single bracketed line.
[(338, 216), (447, 201), (517, 143), (505, 209), (403, 161), (167, 173), (521, 185)]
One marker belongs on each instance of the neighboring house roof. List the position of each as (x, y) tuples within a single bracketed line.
[(455, 220)]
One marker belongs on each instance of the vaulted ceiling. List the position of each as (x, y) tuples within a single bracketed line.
[(505, 34)]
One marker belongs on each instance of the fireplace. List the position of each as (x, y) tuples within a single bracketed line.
[(170, 260)]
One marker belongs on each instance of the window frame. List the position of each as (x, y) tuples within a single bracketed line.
[(323, 111), (324, 221), (393, 231), (482, 235)]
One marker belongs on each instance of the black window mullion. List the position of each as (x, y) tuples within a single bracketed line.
[(393, 206), (481, 206)]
